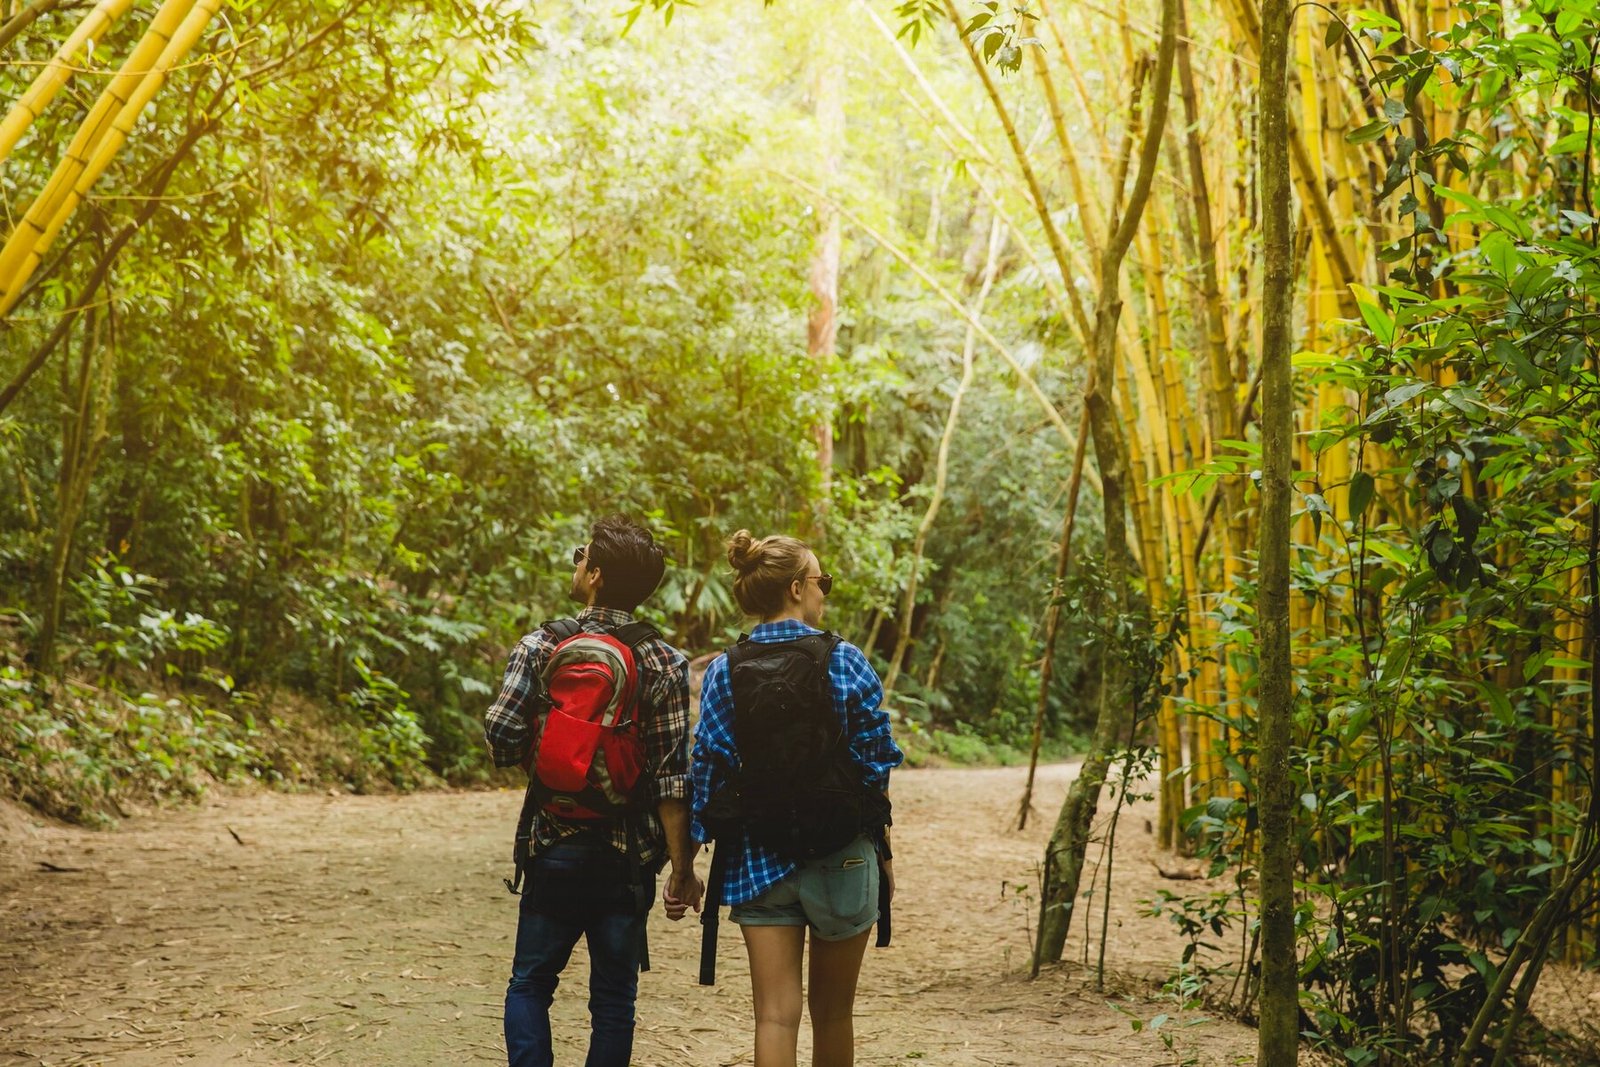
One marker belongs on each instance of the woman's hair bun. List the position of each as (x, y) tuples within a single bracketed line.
[(742, 550)]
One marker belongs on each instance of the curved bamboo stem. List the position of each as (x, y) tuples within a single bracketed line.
[(908, 599), (31, 104), (26, 246)]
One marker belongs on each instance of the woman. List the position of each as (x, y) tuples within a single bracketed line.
[(779, 881)]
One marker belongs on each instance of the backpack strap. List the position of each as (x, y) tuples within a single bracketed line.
[(562, 629), (634, 634), (708, 913), (521, 850), (823, 650), (744, 649), (885, 923)]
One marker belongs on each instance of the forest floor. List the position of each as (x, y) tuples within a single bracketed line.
[(265, 928)]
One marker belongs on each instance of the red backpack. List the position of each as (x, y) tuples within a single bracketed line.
[(587, 754)]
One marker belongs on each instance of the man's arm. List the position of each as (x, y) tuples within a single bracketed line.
[(505, 724), (667, 751), (683, 890)]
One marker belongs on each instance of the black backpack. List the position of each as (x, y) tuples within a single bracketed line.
[(796, 791)]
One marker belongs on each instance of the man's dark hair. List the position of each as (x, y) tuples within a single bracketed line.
[(631, 563)]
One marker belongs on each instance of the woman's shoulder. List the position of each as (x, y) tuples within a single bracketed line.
[(843, 646), (716, 664), (854, 661)]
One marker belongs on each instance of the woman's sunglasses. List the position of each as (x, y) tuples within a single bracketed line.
[(824, 581)]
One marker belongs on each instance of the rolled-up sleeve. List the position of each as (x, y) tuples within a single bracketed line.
[(666, 731), (861, 694), (713, 742), (505, 724)]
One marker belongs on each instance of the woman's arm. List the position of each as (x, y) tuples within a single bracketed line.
[(714, 752), (859, 692)]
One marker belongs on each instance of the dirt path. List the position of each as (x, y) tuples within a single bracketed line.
[(375, 930)]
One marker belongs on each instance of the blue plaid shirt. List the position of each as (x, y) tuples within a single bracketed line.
[(858, 697)]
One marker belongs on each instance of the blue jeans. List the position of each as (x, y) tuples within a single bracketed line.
[(577, 889)]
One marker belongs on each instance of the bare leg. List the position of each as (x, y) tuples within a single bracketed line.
[(775, 953), (835, 966)]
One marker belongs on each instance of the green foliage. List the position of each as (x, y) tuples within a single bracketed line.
[(79, 751), (413, 315)]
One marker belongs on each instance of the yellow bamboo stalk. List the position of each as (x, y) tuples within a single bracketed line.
[(57, 73), (1092, 115), (1208, 732), (1309, 182), (183, 41), (1138, 476), (927, 88), (24, 248), (1090, 211)]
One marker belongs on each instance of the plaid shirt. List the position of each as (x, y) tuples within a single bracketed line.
[(857, 695), (664, 715)]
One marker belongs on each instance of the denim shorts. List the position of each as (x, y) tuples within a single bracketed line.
[(836, 895)]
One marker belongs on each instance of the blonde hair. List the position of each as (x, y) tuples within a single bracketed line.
[(763, 570)]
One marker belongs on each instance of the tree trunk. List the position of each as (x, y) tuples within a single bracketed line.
[(104, 129), (126, 507), (822, 326), (1279, 1034), (1052, 620), (1069, 842), (83, 433), (62, 66)]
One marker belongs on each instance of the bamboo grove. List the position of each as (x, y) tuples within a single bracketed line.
[(1446, 437), (1440, 159)]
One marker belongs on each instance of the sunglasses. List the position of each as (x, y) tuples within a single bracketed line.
[(580, 554), (824, 581)]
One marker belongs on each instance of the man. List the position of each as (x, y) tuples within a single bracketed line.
[(595, 878)]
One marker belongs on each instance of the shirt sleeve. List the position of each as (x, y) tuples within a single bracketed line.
[(505, 724), (666, 731), (856, 686), (713, 742)]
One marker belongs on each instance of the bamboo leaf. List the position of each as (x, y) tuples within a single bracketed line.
[(1469, 518), (1509, 354), (1361, 486), (1379, 321), (1368, 133), (1501, 252), (1571, 143)]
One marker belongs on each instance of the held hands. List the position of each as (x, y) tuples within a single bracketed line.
[(682, 892)]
